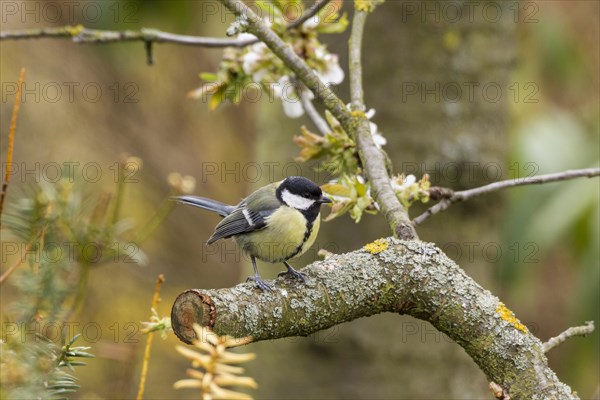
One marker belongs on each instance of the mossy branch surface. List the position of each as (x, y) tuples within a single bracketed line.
[(405, 277)]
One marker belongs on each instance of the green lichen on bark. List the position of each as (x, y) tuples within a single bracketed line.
[(407, 277)]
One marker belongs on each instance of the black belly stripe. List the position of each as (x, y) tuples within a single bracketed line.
[(309, 226)]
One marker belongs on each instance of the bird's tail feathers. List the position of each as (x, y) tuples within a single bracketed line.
[(208, 204)]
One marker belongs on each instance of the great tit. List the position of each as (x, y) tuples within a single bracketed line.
[(277, 222)]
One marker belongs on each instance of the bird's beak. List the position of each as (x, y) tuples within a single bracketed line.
[(324, 199)]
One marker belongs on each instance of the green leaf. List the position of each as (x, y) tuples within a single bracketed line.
[(209, 77), (338, 26), (339, 209), (337, 189), (217, 98)]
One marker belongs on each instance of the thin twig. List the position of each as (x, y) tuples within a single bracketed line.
[(312, 11), (450, 197), (144, 373), (569, 333), (313, 113), (355, 51), (27, 250), (13, 267), (80, 34), (120, 190), (11, 138)]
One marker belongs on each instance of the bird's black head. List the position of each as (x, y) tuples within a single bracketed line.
[(300, 193)]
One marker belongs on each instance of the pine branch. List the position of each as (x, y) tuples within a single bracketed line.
[(405, 277), (449, 197)]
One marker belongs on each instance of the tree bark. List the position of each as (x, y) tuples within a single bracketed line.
[(389, 275)]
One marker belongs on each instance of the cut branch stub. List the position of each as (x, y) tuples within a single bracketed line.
[(191, 307), (387, 275)]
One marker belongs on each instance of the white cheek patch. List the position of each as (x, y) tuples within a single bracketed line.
[(295, 201)]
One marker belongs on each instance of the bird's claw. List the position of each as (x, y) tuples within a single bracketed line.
[(262, 285), (292, 273)]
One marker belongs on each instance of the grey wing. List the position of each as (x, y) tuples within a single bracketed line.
[(250, 215), (241, 220)]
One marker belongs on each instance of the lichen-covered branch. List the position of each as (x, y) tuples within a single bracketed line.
[(448, 197), (372, 157), (405, 277), (355, 123)]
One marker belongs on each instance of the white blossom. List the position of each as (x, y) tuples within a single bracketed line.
[(311, 23), (378, 138), (253, 61), (406, 183), (333, 73), (285, 90)]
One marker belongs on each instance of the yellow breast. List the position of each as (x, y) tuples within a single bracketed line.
[(282, 239)]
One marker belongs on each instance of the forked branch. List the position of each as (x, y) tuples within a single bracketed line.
[(449, 197)]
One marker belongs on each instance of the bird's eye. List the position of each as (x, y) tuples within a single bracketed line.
[(306, 195)]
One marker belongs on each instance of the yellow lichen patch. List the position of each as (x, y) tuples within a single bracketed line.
[(509, 317), (359, 114), (377, 246), (75, 30), (366, 5)]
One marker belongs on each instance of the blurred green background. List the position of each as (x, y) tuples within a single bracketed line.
[(537, 248)]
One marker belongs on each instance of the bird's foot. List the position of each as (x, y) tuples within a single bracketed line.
[(292, 273), (262, 285)]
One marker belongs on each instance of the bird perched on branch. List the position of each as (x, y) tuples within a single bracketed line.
[(277, 222)]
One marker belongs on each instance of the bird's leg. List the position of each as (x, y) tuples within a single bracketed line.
[(262, 285), (293, 273)]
